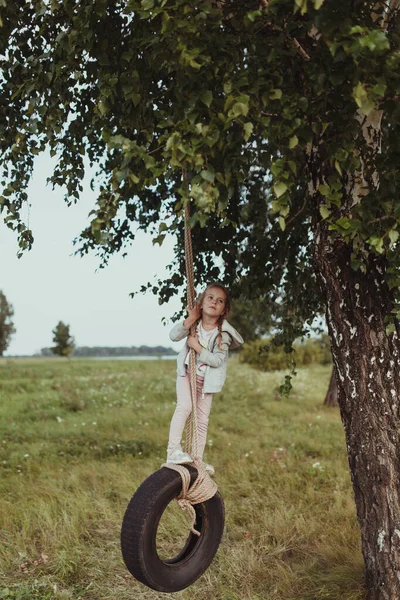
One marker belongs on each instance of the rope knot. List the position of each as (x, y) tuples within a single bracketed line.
[(186, 505), (202, 489)]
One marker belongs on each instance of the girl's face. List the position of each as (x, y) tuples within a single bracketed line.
[(214, 302)]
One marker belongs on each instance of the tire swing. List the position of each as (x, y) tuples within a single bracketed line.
[(190, 485)]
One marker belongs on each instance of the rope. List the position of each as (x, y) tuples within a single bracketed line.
[(191, 434), (203, 488)]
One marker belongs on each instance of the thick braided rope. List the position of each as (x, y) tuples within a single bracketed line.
[(203, 487), (191, 432), (199, 492)]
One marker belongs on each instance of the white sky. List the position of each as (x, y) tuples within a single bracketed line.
[(48, 284)]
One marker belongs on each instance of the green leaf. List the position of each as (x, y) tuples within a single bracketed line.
[(325, 212), (302, 5), (173, 140), (344, 223), (228, 87), (284, 210), (208, 175), (252, 15), (377, 243), (318, 4), (194, 64), (324, 189), (356, 29), (275, 94), (379, 89), (207, 97), (103, 108), (280, 188), (338, 167), (248, 130), (275, 206), (282, 223), (277, 167), (393, 235), (360, 95), (355, 264), (203, 218), (134, 178), (239, 108), (244, 98), (96, 224), (120, 175), (158, 240), (391, 328), (293, 142)]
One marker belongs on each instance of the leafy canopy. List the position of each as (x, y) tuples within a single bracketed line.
[(233, 106)]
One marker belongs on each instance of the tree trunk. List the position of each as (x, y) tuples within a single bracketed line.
[(331, 398), (367, 363)]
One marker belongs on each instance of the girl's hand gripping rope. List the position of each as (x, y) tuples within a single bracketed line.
[(194, 315), (193, 342)]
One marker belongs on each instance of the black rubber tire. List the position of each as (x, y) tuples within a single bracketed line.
[(139, 531)]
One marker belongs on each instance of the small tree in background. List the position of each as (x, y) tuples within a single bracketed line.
[(7, 328), (64, 342)]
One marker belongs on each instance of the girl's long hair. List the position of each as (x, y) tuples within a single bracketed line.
[(200, 300)]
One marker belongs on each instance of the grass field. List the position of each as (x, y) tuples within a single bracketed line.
[(77, 438)]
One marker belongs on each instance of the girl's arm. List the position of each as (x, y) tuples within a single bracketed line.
[(178, 332), (216, 358), (181, 330)]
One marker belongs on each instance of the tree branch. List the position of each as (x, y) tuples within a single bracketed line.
[(300, 48), (263, 5), (390, 10), (298, 212)]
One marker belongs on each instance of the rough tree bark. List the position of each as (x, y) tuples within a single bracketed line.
[(366, 360), (331, 398), (367, 364)]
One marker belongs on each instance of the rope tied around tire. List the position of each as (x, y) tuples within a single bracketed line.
[(200, 491), (203, 488)]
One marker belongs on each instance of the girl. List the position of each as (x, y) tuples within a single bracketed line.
[(214, 336)]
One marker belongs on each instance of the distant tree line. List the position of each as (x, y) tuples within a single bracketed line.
[(7, 328), (87, 351)]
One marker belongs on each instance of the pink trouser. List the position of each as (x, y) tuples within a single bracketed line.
[(183, 410)]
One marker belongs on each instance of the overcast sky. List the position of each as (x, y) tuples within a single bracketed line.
[(49, 284)]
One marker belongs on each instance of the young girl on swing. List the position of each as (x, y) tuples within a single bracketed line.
[(214, 336)]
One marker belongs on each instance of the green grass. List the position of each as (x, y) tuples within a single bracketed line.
[(78, 437)]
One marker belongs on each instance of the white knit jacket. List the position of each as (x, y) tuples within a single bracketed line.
[(215, 357)]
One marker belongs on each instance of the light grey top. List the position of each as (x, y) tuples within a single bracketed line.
[(215, 357)]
